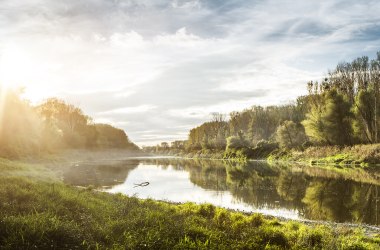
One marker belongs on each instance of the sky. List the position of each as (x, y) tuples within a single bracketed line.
[(157, 68)]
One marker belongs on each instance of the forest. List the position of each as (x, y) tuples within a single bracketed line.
[(50, 127), (341, 110)]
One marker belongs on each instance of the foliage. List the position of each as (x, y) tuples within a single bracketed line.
[(330, 122), (20, 127), (68, 119), (290, 134), (263, 148), (341, 110), (209, 135), (110, 137), (359, 155), (50, 127), (365, 124), (237, 142)]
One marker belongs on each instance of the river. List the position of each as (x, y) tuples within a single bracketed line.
[(289, 191)]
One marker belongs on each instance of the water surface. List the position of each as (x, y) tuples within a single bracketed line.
[(295, 192)]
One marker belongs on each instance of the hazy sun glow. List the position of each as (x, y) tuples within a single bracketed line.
[(3, 91), (18, 70), (116, 66), (14, 65)]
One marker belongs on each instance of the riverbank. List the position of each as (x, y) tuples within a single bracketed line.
[(357, 155), (344, 156), (38, 211)]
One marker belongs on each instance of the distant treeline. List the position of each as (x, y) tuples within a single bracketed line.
[(51, 127), (343, 109)]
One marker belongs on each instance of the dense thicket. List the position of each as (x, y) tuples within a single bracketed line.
[(51, 126), (342, 109)]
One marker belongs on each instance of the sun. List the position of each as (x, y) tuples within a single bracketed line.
[(13, 63), (19, 71)]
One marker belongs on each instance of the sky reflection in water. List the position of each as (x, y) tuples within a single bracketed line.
[(295, 192), (174, 185)]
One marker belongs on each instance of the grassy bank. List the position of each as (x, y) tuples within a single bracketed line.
[(358, 155), (241, 154), (37, 211), (196, 154)]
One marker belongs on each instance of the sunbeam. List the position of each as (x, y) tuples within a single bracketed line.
[(3, 92)]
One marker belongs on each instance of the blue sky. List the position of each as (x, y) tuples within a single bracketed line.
[(157, 68)]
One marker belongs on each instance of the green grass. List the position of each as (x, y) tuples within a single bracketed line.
[(356, 156), (43, 213)]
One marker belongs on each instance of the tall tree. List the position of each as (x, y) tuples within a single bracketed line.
[(290, 134), (69, 119), (330, 121), (365, 109)]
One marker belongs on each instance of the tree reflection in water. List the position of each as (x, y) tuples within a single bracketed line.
[(341, 195)]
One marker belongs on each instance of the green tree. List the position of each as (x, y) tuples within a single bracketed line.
[(290, 134), (237, 142), (178, 144), (330, 121), (209, 135), (111, 137), (69, 119), (365, 117), (338, 118)]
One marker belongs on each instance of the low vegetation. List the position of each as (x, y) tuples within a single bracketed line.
[(357, 155), (39, 212)]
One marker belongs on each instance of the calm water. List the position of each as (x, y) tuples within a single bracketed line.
[(294, 192)]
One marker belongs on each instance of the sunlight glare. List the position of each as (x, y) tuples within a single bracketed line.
[(17, 71), (3, 90)]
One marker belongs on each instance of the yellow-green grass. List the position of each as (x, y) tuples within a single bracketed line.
[(357, 155)]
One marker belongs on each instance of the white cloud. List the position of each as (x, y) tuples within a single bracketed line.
[(192, 4), (158, 68), (128, 110)]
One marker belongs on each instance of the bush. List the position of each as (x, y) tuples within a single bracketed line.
[(290, 134), (263, 149), (236, 142)]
